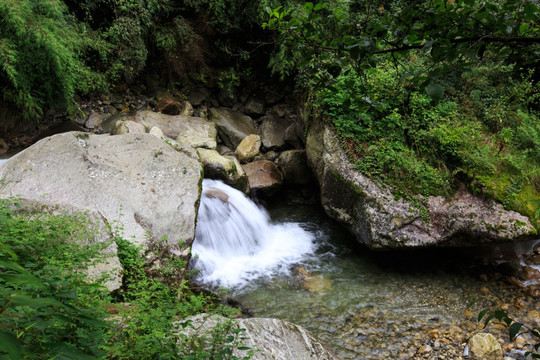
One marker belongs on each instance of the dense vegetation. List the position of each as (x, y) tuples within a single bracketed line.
[(50, 309), (428, 96)]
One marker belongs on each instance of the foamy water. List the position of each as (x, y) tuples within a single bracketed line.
[(236, 242)]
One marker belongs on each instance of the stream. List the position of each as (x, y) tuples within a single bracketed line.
[(302, 267)]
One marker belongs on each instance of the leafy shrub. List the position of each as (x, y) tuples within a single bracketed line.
[(47, 307), (43, 56), (480, 133)]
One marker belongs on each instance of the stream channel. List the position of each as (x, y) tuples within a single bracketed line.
[(296, 264)]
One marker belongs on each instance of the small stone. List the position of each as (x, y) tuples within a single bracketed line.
[(156, 131), (425, 349), (485, 346), (248, 148)]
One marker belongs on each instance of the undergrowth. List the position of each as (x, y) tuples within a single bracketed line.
[(50, 309), (482, 132)]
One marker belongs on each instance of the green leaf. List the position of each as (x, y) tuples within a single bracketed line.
[(319, 6), (9, 344), (308, 7), (11, 265), (523, 28), (35, 302), (514, 330)]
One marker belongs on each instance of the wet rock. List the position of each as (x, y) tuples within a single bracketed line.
[(224, 150), (248, 148), (294, 166), (271, 338), (485, 346), (263, 175), (223, 168), (153, 186), (216, 194), (314, 283), (232, 126)]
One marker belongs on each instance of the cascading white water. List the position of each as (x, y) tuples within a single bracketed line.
[(235, 241)]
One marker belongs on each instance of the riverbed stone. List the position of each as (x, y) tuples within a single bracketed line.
[(232, 126), (381, 221), (484, 346), (144, 188), (248, 148), (225, 168), (272, 339), (263, 175)]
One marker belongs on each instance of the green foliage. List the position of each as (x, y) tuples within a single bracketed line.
[(515, 328), (483, 133), (155, 313), (452, 34), (47, 308), (43, 53)]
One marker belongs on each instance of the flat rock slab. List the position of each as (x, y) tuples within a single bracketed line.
[(143, 187)]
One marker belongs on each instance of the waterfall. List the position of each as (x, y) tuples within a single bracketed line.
[(236, 242)]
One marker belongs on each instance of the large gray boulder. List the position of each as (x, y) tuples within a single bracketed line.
[(270, 339), (380, 221), (194, 131), (141, 186), (232, 126)]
